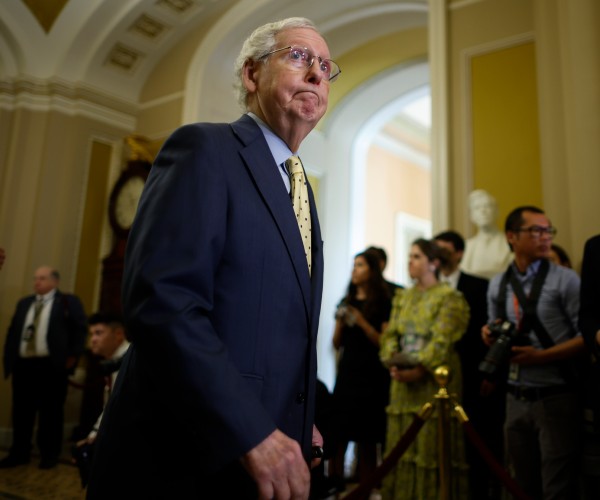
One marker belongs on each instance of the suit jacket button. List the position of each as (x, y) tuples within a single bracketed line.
[(300, 398)]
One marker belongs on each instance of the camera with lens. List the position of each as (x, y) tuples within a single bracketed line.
[(506, 336)]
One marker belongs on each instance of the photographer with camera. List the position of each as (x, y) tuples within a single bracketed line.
[(536, 304), (107, 341)]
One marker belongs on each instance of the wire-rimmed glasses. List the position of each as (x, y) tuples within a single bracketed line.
[(538, 231), (302, 58)]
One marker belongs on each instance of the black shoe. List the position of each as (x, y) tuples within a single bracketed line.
[(48, 463), (12, 461)]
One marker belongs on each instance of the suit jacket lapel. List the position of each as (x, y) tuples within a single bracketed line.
[(264, 171)]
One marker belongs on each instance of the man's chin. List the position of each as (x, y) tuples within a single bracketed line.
[(311, 114)]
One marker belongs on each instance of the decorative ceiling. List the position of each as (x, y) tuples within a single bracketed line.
[(113, 45), (45, 11)]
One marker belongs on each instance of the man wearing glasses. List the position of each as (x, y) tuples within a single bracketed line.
[(543, 411), (222, 293)]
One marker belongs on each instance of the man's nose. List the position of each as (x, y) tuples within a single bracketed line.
[(315, 75)]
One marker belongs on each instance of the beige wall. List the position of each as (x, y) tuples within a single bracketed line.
[(532, 63), (505, 131), (393, 186)]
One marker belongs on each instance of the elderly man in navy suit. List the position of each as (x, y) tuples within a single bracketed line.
[(45, 338), (221, 295)]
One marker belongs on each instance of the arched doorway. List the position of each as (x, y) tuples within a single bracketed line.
[(347, 138)]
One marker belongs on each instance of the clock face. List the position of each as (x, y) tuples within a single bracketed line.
[(127, 201)]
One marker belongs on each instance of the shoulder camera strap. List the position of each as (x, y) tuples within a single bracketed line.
[(531, 321)]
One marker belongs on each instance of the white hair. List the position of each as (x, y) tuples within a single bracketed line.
[(258, 44)]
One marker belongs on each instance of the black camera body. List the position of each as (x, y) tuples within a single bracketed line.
[(507, 336)]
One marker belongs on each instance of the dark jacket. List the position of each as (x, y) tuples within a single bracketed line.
[(222, 316), (67, 330)]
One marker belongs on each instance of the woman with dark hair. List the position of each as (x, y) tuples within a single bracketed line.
[(425, 322), (362, 386), (559, 256)]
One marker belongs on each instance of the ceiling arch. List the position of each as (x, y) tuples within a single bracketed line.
[(113, 45)]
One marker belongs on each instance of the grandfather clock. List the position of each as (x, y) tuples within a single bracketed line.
[(122, 206)]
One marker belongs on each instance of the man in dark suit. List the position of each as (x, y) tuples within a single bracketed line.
[(589, 324), (589, 306), (44, 340), (215, 398), (486, 413)]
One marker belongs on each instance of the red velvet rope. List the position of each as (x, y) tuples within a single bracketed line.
[(364, 489)]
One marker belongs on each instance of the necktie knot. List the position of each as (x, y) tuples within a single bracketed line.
[(39, 303), (294, 165)]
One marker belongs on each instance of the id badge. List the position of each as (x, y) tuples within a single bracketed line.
[(28, 333), (513, 372)]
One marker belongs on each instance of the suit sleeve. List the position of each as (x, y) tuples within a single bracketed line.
[(589, 312), (171, 279)]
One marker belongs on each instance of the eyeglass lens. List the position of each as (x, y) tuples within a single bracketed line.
[(302, 58), (538, 231)]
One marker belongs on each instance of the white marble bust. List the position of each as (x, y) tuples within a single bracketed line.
[(487, 253)]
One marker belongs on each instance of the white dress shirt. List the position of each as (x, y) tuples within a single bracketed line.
[(41, 334), (451, 279)]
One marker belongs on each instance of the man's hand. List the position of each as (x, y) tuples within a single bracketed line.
[(278, 468), (526, 355), (598, 337), (486, 335), (408, 375), (71, 362), (87, 440)]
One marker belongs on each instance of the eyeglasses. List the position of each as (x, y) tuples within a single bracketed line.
[(302, 58), (537, 231)]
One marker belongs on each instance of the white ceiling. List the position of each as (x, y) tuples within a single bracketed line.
[(113, 45)]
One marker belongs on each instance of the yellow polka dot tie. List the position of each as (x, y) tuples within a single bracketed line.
[(299, 194)]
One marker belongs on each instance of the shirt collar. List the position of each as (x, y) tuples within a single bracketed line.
[(452, 278), (531, 270), (278, 148), (121, 350), (47, 297)]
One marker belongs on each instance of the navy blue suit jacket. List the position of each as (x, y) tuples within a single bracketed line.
[(67, 330), (221, 312), (471, 347), (589, 309), (589, 321)]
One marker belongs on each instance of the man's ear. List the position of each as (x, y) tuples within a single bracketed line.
[(250, 75), (511, 237), (120, 334)]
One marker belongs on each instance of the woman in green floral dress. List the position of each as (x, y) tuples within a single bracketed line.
[(425, 322)]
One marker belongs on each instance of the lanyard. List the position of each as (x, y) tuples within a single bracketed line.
[(517, 311)]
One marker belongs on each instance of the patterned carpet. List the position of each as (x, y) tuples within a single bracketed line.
[(27, 482)]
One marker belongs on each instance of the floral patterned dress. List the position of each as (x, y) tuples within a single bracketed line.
[(424, 324)]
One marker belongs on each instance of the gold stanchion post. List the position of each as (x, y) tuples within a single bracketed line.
[(442, 375)]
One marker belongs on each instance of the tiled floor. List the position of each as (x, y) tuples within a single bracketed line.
[(27, 482)]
